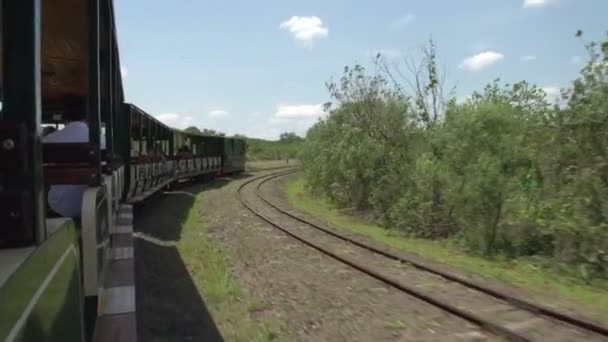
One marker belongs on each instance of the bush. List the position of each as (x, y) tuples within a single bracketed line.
[(505, 173)]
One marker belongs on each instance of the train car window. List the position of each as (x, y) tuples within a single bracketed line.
[(176, 145), (134, 132), (134, 146)]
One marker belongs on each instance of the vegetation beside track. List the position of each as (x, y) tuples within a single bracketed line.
[(524, 272), (261, 165), (231, 306), (515, 171), (287, 147)]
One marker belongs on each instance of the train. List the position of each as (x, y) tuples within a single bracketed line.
[(63, 278)]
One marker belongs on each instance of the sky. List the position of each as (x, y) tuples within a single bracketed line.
[(259, 67)]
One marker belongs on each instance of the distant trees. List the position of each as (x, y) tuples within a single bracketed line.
[(289, 137), (288, 146), (192, 129), (205, 131), (507, 172)]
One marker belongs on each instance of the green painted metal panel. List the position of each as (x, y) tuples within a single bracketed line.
[(21, 103), (102, 229), (43, 299)]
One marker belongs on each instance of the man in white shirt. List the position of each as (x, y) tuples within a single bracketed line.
[(66, 200)]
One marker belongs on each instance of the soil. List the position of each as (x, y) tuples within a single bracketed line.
[(440, 288), (319, 298), (316, 297), (169, 306)]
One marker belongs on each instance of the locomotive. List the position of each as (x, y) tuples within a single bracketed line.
[(64, 278)]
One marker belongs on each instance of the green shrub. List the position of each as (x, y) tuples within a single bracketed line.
[(505, 173)]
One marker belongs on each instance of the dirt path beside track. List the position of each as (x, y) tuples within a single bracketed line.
[(314, 297)]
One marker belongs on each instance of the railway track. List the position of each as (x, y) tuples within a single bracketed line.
[(501, 314)]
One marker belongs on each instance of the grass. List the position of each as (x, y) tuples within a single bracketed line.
[(230, 305), (259, 165), (395, 325), (520, 273)]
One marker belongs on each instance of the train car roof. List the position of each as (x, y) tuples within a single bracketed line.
[(209, 136), (181, 131), (200, 134), (64, 48), (150, 117)]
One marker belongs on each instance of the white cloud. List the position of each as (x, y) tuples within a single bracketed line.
[(554, 95), (403, 21), (217, 113), (481, 60), (305, 29), (463, 99), (576, 60), (528, 58), (537, 3), (552, 92), (292, 118), (124, 72), (180, 121), (167, 116), (298, 111)]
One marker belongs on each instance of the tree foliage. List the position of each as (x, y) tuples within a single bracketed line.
[(192, 129), (287, 147), (506, 172), (205, 131), (289, 137)]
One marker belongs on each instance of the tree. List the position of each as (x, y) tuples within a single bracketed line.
[(421, 81), (289, 137), (207, 131), (504, 173), (192, 129)]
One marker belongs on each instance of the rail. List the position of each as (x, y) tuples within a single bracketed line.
[(483, 322)]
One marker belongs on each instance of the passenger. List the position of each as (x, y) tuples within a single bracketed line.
[(185, 152), (150, 151), (66, 200), (158, 152)]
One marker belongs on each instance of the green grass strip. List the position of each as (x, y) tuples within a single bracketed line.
[(232, 307), (522, 273)]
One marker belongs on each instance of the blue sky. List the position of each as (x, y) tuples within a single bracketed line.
[(259, 67)]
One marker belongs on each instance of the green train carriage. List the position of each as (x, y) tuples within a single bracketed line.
[(233, 156), (56, 273), (53, 268)]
